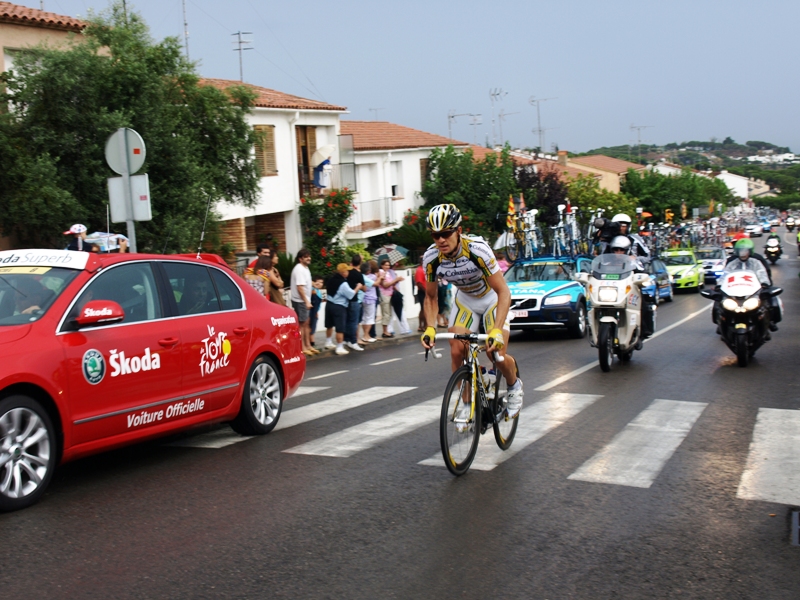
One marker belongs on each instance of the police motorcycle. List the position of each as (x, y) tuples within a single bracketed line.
[(744, 312), (790, 223), (773, 250), (616, 308)]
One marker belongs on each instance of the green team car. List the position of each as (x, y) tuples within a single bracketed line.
[(686, 271)]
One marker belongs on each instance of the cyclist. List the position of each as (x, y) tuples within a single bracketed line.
[(482, 296)]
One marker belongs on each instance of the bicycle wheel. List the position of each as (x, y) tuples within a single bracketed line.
[(459, 447), (512, 248), (504, 428)]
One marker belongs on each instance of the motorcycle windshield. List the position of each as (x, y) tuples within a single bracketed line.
[(740, 283), (613, 266)]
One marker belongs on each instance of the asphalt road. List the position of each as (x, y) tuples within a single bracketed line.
[(625, 484)]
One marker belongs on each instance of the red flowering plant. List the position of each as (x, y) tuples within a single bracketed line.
[(322, 221)]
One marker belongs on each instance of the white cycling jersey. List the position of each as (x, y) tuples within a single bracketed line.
[(469, 270)]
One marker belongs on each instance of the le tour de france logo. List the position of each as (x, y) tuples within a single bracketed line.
[(94, 366), (215, 352)]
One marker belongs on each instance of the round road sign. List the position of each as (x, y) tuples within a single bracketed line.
[(125, 151)]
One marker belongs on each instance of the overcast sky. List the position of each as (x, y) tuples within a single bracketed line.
[(688, 69)]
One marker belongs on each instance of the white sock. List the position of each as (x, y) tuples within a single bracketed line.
[(339, 346), (517, 384), (329, 340)]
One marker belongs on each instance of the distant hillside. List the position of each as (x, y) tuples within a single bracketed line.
[(696, 154)]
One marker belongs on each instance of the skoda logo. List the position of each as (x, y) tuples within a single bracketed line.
[(94, 366)]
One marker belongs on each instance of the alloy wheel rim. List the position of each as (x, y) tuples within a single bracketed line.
[(265, 394), (24, 452)]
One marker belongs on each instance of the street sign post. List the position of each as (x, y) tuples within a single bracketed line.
[(125, 154)]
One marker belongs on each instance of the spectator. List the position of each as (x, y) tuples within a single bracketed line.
[(354, 279), (264, 277), (78, 241), (339, 295), (300, 289), (388, 281), (261, 250), (420, 281), (316, 302), (370, 301), (501, 261)]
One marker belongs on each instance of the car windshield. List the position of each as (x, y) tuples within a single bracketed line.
[(27, 292), (544, 271), (678, 259), (608, 264), (710, 254)]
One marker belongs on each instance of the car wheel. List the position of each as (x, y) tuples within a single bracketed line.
[(578, 329), (671, 294), (262, 399), (28, 450)]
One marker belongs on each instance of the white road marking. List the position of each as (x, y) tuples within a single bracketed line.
[(535, 421), (308, 389), (327, 375), (639, 452), (213, 439), (772, 472), (591, 365), (296, 416), (367, 435), (383, 362)]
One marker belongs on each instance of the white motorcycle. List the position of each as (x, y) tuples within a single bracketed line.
[(616, 307)]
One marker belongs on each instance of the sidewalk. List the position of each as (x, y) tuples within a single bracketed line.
[(319, 339)]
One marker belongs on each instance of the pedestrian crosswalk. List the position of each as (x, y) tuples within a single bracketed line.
[(634, 457)]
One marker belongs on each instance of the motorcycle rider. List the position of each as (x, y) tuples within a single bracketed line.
[(744, 259), (620, 225), (774, 236), (621, 244)]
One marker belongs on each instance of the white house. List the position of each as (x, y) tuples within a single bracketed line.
[(292, 129), (737, 184), (390, 164)]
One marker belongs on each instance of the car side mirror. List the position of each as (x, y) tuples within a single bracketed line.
[(99, 312), (581, 277), (775, 291)]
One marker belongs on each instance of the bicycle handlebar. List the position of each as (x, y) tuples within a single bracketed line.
[(467, 337)]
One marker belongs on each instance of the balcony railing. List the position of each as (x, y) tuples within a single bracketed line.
[(371, 215)]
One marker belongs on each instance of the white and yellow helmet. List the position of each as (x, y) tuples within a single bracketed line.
[(443, 217)]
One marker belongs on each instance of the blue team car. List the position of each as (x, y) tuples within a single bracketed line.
[(544, 296)]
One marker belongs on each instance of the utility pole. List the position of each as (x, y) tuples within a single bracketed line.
[(495, 95), (451, 116), (500, 117), (185, 29), (638, 129), (536, 102), (240, 43), (375, 111)]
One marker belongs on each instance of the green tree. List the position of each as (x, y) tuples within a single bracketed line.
[(479, 188), (586, 194), (542, 189), (65, 104), (656, 193)]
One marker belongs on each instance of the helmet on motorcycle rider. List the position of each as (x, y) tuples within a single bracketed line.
[(743, 248), (620, 242), (443, 217), (621, 218)]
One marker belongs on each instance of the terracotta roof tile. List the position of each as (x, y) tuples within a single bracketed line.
[(31, 17), (481, 152), (606, 163), (267, 98), (566, 172), (382, 135)]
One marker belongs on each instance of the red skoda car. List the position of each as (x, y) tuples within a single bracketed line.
[(99, 351)]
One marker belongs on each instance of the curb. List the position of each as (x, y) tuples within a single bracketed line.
[(398, 339)]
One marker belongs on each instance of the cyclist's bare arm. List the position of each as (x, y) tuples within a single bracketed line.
[(499, 285), (431, 304)]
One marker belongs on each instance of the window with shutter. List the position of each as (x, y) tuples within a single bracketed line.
[(265, 150), (423, 172)]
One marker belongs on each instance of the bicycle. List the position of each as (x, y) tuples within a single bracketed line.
[(488, 406)]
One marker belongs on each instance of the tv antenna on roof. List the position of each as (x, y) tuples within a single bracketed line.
[(638, 129), (185, 28), (475, 121), (375, 110), (495, 95), (240, 43), (500, 117), (536, 102), (451, 116)]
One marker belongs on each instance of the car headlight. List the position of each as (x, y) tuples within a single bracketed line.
[(562, 299), (689, 273), (730, 304), (607, 294), (751, 304)]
